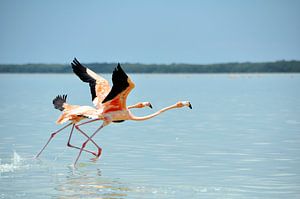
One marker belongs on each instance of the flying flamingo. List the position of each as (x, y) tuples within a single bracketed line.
[(113, 107), (75, 113)]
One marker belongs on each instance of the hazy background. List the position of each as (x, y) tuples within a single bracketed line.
[(154, 31), (240, 140)]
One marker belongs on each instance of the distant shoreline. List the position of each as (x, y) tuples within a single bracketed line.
[(245, 67)]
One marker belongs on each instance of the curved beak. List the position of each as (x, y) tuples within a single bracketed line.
[(150, 105), (190, 106)]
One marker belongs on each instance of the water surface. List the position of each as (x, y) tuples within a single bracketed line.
[(241, 140)]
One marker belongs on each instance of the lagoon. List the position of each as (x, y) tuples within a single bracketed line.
[(240, 140)]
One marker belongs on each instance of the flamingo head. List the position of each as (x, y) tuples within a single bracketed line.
[(184, 103), (147, 104)]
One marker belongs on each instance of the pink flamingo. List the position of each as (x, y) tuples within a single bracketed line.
[(113, 107), (75, 113)]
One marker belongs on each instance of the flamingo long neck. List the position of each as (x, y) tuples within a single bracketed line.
[(154, 114)]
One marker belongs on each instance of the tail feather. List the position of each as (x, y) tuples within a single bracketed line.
[(58, 102)]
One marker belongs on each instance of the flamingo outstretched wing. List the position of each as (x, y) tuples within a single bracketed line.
[(122, 85), (98, 85)]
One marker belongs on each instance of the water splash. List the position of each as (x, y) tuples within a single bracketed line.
[(16, 163)]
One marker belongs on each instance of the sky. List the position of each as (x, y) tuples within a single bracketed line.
[(156, 31)]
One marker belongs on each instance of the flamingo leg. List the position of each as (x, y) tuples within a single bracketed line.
[(83, 123), (98, 147), (89, 139), (51, 137), (72, 146)]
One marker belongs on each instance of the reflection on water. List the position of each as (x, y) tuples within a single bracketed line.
[(79, 184), (241, 140)]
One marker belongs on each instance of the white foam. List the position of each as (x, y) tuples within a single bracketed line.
[(14, 165), (16, 159)]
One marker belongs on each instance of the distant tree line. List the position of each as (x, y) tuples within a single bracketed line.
[(246, 67)]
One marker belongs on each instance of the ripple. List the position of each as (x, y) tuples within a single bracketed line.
[(283, 159), (261, 143), (253, 160), (292, 122), (283, 174)]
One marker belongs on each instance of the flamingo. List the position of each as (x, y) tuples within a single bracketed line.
[(76, 113), (71, 113), (112, 107)]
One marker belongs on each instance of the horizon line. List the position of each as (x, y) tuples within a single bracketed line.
[(172, 63)]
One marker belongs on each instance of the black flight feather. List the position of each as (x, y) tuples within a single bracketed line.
[(58, 102), (80, 71), (119, 79)]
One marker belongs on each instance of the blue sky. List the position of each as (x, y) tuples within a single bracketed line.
[(156, 31)]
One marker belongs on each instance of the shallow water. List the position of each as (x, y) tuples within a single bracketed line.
[(240, 140)]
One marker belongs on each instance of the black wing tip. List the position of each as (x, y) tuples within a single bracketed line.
[(81, 72), (76, 64), (61, 98), (119, 67), (120, 83), (78, 67), (58, 102), (119, 70), (75, 60)]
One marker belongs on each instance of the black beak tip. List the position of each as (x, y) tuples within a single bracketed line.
[(150, 105), (190, 106)]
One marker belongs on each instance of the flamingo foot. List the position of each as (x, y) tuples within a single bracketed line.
[(97, 156), (99, 152), (94, 159)]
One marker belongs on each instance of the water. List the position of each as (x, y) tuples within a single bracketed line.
[(241, 140)]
